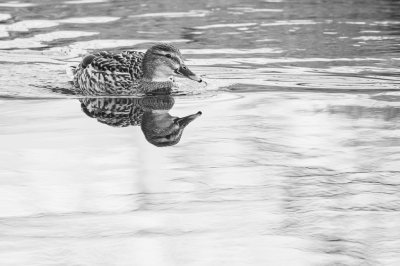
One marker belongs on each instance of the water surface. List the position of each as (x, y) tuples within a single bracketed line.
[(293, 162)]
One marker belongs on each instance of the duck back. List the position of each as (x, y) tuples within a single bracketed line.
[(106, 73)]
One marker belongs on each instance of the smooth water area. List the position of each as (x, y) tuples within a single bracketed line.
[(294, 160)]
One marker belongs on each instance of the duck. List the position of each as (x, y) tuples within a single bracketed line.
[(130, 72), (151, 113)]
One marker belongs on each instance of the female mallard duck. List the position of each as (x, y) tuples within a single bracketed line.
[(130, 72)]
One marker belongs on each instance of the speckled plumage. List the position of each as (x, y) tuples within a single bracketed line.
[(115, 112), (130, 72), (110, 74), (123, 112)]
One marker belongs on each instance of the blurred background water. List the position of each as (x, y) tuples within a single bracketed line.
[(295, 160)]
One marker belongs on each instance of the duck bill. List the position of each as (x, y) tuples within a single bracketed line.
[(184, 121), (185, 71)]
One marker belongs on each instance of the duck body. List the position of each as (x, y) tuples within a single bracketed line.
[(130, 72), (109, 74)]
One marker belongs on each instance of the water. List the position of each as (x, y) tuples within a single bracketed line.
[(293, 162)]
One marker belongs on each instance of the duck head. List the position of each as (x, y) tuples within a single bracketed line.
[(162, 61), (159, 127)]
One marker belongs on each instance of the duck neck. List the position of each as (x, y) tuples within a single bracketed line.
[(147, 85), (155, 75)]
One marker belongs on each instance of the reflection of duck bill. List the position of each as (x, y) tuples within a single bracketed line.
[(184, 70), (184, 121)]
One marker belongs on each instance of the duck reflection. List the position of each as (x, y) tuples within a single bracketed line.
[(151, 113)]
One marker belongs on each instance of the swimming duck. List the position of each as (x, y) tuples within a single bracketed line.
[(130, 72), (151, 113)]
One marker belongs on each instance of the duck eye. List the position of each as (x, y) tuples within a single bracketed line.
[(168, 136), (168, 55)]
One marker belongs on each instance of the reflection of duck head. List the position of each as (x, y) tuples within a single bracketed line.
[(159, 127)]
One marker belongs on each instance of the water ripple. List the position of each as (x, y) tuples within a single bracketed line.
[(191, 13), (231, 25), (232, 51), (16, 4), (37, 40), (4, 17), (86, 1), (103, 44), (26, 25), (290, 22)]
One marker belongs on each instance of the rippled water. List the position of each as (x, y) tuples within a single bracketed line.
[(295, 160)]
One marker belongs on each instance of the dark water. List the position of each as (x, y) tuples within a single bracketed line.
[(295, 160)]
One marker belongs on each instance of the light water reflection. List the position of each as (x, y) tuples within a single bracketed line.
[(151, 113), (293, 178)]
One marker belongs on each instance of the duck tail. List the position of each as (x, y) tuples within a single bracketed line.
[(71, 71)]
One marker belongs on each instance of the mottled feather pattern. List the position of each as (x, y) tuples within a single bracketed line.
[(115, 112), (130, 72), (110, 74)]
